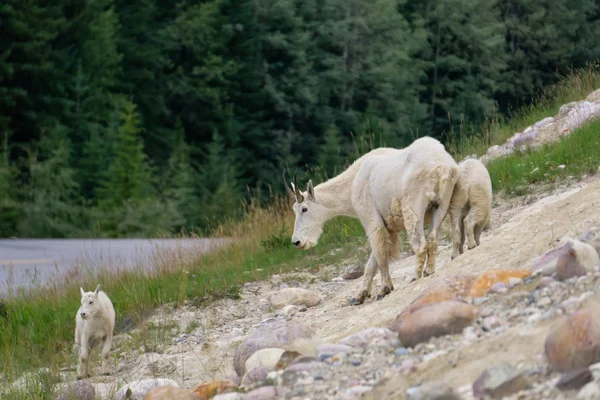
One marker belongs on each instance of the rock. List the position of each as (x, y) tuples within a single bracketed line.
[(255, 375), (262, 393), (594, 96), (432, 391), (436, 319), (575, 379), (371, 337), (170, 393), (591, 391), (499, 381), (579, 116), (78, 390), (208, 390), (491, 323), (304, 366), (353, 272), (401, 351), (566, 108), (276, 334), (498, 287), (229, 396), (139, 388), (546, 281), (453, 287), (295, 297), (490, 277), (327, 350), (287, 358), (574, 343), (291, 310), (266, 358), (356, 391)]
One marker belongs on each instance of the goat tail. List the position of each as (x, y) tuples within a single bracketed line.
[(445, 177)]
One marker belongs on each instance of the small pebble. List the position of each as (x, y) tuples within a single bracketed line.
[(402, 351)]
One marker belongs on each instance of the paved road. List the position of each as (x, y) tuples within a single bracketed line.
[(30, 262)]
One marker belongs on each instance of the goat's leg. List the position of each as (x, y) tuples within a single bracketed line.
[(365, 288), (84, 357), (432, 241), (457, 233), (77, 338), (106, 344), (416, 237), (469, 229)]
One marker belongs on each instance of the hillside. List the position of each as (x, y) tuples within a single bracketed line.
[(192, 345)]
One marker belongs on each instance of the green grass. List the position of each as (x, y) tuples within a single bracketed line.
[(497, 129), (38, 327), (575, 155)]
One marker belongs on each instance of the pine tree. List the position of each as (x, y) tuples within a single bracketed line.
[(10, 208), (331, 157), (128, 176)]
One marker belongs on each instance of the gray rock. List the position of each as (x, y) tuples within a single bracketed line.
[(574, 379), (262, 393), (371, 337), (255, 375), (268, 335), (498, 381), (295, 297), (591, 391), (229, 396), (78, 390), (327, 350), (432, 391), (138, 389)]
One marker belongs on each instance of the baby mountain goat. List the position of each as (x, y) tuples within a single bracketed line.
[(471, 205), (95, 323), (389, 190)]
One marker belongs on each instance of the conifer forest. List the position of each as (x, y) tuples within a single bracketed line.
[(139, 118)]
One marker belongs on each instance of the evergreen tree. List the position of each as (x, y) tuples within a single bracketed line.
[(331, 157), (10, 208)]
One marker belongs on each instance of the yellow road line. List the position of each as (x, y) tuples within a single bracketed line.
[(33, 261)]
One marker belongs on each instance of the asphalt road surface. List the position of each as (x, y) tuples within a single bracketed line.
[(34, 262)]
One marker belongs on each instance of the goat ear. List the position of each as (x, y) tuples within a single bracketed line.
[(310, 190), (82, 292), (97, 288)]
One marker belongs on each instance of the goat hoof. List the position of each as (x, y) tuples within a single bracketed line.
[(361, 299), (356, 302)]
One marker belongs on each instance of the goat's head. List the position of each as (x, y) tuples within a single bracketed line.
[(89, 303), (310, 215)]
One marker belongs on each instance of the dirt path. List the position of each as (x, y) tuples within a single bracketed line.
[(201, 342)]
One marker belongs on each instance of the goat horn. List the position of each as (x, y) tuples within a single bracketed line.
[(299, 197), (287, 185)]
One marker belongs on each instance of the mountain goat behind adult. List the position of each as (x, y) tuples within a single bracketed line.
[(389, 190), (471, 205), (95, 324)]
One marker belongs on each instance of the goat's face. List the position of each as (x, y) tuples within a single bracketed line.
[(310, 217), (89, 303)]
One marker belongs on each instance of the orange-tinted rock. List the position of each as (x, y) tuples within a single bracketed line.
[(575, 343), (453, 287), (436, 319), (209, 390), (488, 278), (170, 393)]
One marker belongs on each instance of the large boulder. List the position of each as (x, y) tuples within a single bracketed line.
[(492, 276), (453, 287), (432, 320), (266, 358), (272, 334), (575, 342)]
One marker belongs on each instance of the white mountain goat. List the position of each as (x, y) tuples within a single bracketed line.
[(471, 205), (95, 323), (389, 190)]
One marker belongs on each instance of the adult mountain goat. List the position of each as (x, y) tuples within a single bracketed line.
[(389, 190), (95, 323)]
